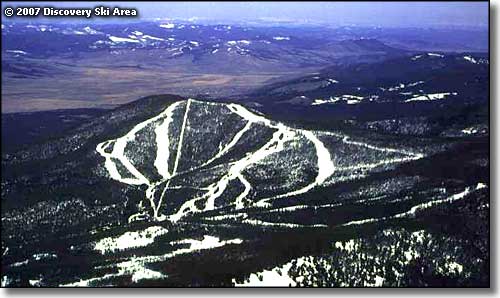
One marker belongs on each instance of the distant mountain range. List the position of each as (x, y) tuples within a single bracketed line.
[(57, 38), (423, 77), (201, 43)]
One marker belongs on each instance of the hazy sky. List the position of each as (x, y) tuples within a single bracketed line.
[(399, 14)]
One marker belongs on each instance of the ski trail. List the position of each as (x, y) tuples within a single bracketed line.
[(161, 161), (224, 150), (176, 164), (370, 166), (163, 143), (458, 196), (181, 138), (325, 169), (410, 156), (280, 137), (246, 114), (347, 140), (239, 200), (119, 147), (276, 144), (230, 145)]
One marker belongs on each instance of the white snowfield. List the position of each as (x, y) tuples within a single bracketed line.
[(167, 161), (427, 54), (122, 39), (130, 240), (16, 52), (347, 98), (470, 59), (432, 96), (168, 26), (136, 266), (278, 276)]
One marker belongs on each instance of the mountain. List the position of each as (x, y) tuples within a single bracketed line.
[(174, 191), (404, 79), (176, 40), (427, 94), (118, 63)]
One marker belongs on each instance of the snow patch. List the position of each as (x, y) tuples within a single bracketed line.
[(130, 240), (432, 96), (121, 39), (168, 26), (281, 38)]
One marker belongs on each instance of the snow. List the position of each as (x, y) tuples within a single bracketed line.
[(363, 221), (281, 38), (379, 281), (21, 263), (177, 157), (469, 131), (430, 204), (138, 35), (470, 59), (181, 137), (415, 83), (91, 31), (347, 98), (325, 167), (243, 41), (454, 267), (41, 28), (412, 211), (5, 279), (118, 153), (136, 266), (433, 96), (282, 138), (151, 37), (40, 256), (208, 242), (121, 39), (348, 246), (168, 26), (269, 278), (428, 54), (277, 276), (435, 55), (130, 240), (34, 282), (235, 42), (261, 223), (16, 52), (320, 101), (163, 144)]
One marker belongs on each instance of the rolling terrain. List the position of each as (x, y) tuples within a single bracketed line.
[(118, 63), (171, 191), (288, 156)]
